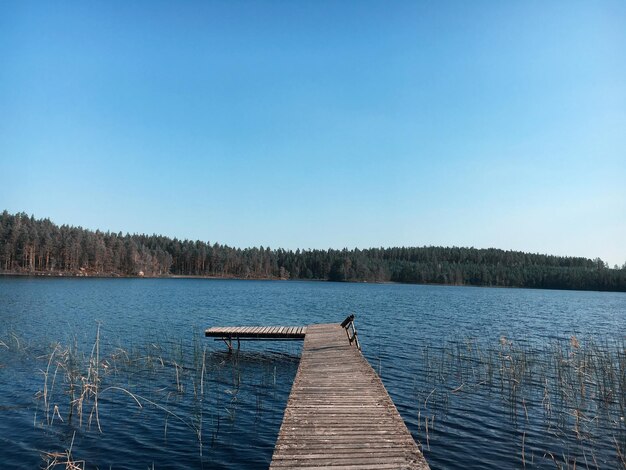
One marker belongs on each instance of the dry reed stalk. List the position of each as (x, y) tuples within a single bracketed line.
[(179, 386), (620, 454), (56, 459), (17, 340), (427, 434), (45, 393)]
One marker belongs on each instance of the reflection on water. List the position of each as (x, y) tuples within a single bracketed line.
[(119, 371)]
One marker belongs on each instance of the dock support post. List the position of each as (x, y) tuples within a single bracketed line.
[(229, 342)]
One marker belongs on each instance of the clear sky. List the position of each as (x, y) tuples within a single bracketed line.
[(317, 124)]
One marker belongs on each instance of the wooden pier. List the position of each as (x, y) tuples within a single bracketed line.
[(339, 414), (258, 332), (239, 333)]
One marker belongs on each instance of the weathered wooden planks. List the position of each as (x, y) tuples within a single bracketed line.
[(256, 332), (339, 414)]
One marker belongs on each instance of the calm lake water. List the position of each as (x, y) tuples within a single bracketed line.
[(473, 371)]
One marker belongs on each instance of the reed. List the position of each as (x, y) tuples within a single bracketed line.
[(172, 380), (575, 387), (63, 459)]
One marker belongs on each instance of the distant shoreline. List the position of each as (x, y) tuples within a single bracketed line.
[(198, 276), (233, 278), (57, 274)]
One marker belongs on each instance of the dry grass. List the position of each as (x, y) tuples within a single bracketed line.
[(58, 460), (93, 388), (575, 387), (84, 379)]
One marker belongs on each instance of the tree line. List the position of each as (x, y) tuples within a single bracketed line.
[(38, 246)]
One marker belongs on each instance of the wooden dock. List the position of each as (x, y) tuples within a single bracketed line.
[(339, 414), (239, 333), (257, 332)]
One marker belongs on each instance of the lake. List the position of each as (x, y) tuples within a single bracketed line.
[(119, 371)]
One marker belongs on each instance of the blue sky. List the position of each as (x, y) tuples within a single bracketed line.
[(321, 124)]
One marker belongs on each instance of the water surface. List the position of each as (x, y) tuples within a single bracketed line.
[(200, 407)]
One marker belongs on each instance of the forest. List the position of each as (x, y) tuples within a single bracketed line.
[(40, 247)]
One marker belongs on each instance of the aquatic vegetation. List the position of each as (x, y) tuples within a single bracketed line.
[(167, 382), (63, 459), (569, 394), (563, 401)]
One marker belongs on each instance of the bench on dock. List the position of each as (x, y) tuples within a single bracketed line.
[(339, 413)]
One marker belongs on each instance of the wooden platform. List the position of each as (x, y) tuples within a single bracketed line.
[(339, 415), (257, 332)]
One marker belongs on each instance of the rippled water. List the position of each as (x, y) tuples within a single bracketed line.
[(169, 398)]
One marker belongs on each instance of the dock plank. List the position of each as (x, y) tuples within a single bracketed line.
[(339, 414)]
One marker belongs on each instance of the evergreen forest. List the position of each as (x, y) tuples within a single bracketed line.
[(40, 247)]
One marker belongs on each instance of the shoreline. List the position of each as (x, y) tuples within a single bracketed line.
[(234, 278), (132, 276)]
